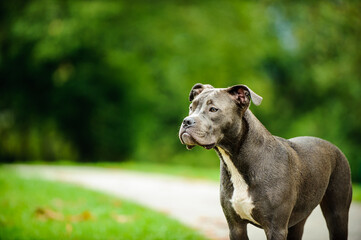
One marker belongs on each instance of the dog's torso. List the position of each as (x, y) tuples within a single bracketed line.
[(280, 172)]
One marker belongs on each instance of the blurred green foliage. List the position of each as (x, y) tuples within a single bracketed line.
[(108, 80)]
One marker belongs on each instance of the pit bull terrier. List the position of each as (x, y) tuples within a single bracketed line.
[(268, 181)]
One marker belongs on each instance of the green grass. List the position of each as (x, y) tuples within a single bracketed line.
[(38, 209), (206, 173), (197, 172), (356, 195)]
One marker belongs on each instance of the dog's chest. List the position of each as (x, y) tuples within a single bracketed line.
[(241, 200)]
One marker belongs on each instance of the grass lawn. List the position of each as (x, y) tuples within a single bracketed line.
[(206, 173), (38, 209), (356, 195)]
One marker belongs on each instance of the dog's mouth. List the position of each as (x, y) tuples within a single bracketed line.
[(208, 146), (190, 142)]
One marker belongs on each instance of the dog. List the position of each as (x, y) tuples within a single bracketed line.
[(267, 181)]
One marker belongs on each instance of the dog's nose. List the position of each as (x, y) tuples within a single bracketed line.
[(188, 122)]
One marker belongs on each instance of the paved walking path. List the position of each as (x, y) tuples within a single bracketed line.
[(193, 202)]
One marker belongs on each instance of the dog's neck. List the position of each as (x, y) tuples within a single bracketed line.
[(249, 133), (243, 147)]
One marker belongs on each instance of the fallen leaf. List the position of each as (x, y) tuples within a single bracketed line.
[(69, 228), (48, 214), (117, 203), (84, 216), (122, 218)]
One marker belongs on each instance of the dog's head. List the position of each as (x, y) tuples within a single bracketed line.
[(213, 112)]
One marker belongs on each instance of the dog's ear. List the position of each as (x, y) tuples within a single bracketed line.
[(197, 89), (243, 95)]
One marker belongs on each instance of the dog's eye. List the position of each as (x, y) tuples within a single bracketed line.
[(190, 108), (213, 109)]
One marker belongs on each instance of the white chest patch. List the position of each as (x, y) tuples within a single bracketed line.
[(241, 201)]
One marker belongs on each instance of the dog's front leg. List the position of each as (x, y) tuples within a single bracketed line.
[(277, 227), (276, 233), (237, 226), (238, 231)]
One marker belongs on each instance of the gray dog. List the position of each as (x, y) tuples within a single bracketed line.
[(268, 181)]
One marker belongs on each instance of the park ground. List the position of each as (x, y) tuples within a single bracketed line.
[(191, 200)]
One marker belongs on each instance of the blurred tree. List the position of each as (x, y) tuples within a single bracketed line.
[(320, 74), (108, 80)]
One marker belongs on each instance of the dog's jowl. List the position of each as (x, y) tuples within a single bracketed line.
[(268, 181)]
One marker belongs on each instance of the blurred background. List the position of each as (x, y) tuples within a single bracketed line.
[(94, 81)]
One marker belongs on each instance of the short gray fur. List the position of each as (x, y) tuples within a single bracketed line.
[(286, 179)]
